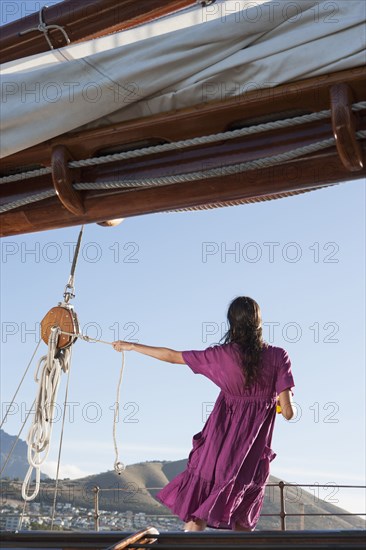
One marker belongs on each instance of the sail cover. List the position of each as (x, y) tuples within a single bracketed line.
[(200, 54)]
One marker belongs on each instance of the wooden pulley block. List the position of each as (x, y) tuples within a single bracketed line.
[(65, 318)]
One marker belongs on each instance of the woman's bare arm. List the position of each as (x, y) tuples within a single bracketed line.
[(163, 354), (285, 401)]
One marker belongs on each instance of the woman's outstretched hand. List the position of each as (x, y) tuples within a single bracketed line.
[(163, 354), (120, 345)]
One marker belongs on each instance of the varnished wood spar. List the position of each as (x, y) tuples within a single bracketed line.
[(209, 117), (306, 96), (315, 170), (63, 180), (176, 161), (188, 160), (172, 162), (80, 19), (344, 127)]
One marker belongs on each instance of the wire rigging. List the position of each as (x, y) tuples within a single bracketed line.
[(50, 366), (48, 376), (17, 438), (60, 445), (19, 385)]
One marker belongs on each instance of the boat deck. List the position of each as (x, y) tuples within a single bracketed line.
[(265, 540)]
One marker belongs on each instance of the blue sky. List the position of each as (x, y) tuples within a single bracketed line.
[(167, 279), (148, 280)]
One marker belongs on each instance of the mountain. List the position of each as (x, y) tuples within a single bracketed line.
[(136, 487), (18, 465)]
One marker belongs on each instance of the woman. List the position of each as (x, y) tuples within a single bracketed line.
[(227, 469)]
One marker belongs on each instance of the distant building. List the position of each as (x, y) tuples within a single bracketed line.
[(9, 523)]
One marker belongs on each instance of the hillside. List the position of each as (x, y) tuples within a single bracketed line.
[(18, 465), (139, 484), (135, 490)]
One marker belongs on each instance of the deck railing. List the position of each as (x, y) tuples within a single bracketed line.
[(282, 514)]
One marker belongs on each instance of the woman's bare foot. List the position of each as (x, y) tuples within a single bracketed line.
[(239, 527), (195, 525)]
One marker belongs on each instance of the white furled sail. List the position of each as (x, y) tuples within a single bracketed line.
[(198, 55)]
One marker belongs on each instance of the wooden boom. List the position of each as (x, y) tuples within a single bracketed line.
[(344, 161), (80, 19)]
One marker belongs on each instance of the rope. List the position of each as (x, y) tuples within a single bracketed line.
[(22, 516), (201, 140), (187, 177), (119, 467), (179, 178), (40, 432), (43, 27), (85, 337), (76, 255), (60, 445), (27, 200), (69, 292), (26, 175), (215, 172), (212, 138), (20, 383), (212, 172), (237, 202), (182, 144)]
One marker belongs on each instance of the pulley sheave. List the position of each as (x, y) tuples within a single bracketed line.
[(65, 318)]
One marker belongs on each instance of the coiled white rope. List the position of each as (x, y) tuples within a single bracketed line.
[(39, 435)]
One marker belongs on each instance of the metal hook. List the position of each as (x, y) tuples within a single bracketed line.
[(69, 293)]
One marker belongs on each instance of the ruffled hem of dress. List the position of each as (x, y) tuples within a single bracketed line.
[(190, 497)]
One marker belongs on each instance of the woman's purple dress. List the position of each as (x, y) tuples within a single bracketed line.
[(228, 465)]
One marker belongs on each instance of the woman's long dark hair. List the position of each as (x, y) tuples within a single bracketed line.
[(245, 329)]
